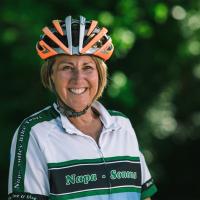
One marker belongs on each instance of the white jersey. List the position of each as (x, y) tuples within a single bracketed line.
[(52, 159)]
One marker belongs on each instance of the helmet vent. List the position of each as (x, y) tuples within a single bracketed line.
[(75, 34), (51, 43)]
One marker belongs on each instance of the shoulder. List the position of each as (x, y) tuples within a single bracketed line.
[(126, 130), (118, 117), (25, 133), (121, 119), (117, 113), (45, 115)]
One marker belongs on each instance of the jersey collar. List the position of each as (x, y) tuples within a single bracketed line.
[(105, 117)]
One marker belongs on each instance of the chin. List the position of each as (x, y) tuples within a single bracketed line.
[(78, 108)]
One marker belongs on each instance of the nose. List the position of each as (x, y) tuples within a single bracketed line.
[(77, 75)]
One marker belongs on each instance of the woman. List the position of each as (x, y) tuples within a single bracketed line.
[(76, 149)]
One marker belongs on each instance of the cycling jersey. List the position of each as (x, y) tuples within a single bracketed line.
[(52, 159)]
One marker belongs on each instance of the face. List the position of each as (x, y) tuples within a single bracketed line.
[(76, 80)]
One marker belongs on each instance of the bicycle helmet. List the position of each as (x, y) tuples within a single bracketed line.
[(75, 37)]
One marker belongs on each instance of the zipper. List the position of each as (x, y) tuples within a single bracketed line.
[(107, 173)]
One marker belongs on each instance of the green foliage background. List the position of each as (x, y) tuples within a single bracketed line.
[(154, 78)]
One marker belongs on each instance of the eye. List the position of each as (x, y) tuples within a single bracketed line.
[(88, 67), (66, 67)]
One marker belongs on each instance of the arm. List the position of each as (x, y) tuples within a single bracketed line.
[(148, 186), (28, 175)]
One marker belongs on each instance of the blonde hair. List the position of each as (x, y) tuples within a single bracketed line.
[(46, 72)]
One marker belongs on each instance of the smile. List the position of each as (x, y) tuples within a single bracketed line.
[(77, 91)]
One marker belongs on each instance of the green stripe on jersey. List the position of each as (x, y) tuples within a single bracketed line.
[(116, 113), (22, 144), (149, 192), (89, 161), (95, 192)]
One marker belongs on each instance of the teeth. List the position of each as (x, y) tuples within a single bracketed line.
[(77, 90)]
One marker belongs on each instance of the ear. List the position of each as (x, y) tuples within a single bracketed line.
[(52, 73), (52, 81), (52, 77)]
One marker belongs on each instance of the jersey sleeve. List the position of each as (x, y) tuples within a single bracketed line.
[(28, 173), (148, 186)]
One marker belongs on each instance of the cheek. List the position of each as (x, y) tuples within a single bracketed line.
[(59, 83), (59, 78), (95, 81)]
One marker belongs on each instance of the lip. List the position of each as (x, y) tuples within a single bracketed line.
[(77, 91)]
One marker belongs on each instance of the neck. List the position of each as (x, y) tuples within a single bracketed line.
[(68, 111), (89, 123), (84, 119)]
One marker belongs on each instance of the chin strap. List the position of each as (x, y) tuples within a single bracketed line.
[(69, 112)]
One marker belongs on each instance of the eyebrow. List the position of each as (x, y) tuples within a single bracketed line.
[(86, 63)]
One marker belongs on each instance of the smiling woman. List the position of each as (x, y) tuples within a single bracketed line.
[(75, 79), (76, 148), (89, 66)]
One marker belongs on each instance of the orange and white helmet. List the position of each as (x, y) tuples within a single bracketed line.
[(75, 37)]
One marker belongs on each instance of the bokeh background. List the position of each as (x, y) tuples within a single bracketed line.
[(154, 78)]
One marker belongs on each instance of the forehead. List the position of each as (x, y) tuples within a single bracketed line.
[(74, 59)]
